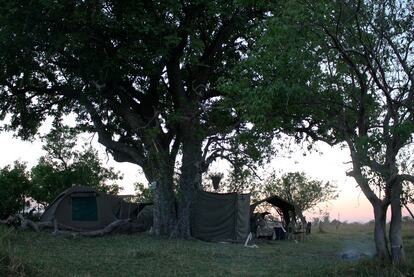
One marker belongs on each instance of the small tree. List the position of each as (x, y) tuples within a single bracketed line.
[(63, 166), (14, 187), (300, 190)]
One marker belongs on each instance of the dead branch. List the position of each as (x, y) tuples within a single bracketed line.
[(123, 225), (27, 223), (107, 230), (8, 221), (18, 221)]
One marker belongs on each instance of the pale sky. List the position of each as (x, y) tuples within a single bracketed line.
[(330, 165)]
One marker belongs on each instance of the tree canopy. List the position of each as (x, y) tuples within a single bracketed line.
[(143, 75)]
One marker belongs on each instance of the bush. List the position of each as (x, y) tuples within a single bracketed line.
[(14, 187)]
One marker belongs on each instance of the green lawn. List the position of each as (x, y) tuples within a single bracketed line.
[(40, 254)]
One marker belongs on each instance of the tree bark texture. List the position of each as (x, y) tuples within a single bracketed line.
[(397, 249), (380, 235), (164, 200), (190, 180)]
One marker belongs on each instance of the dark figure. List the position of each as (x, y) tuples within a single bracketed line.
[(308, 227), (280, 233)]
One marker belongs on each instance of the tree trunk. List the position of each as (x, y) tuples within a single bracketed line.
[(397, 250), (164, 200), (190, 180), (301, 217), (380, 235)]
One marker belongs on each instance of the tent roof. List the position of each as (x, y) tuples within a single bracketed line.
[(69, 191), (107, 208), (277, 201), (75, 189), (51, 208)]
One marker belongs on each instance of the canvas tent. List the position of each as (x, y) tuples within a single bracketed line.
[(221, 217), (84, 209), (287, 209)]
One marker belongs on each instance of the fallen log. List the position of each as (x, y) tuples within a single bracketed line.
[(27, 223), (97, 233), (18, 221), (122, 226), (8, 221)]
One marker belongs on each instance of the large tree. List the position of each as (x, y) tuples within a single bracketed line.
[(141, 74), (341, 72)]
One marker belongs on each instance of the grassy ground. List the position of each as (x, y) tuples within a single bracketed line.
[(41, 254)]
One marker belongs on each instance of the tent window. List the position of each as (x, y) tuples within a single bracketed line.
[(84, 209)]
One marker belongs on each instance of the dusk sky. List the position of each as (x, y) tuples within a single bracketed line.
[(330, 164)]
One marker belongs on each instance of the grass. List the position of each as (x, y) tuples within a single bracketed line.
[(25, 253)]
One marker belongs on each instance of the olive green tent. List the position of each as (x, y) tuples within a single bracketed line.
[(83, 209), (221, 217), (286, 208)]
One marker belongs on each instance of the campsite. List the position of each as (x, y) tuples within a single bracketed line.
[(206, 137), (76, 245)]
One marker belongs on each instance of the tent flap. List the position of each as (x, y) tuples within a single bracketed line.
[(220, 217)]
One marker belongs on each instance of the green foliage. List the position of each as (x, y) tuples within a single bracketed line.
[(143, 193), (300, 190), (64, 166), (64, 55), (334, 72), (142, 74), (14, 188), (343, 75), (240, 180)]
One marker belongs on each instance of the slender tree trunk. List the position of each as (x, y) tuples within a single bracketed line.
[(190, 181), (380, 206), (380, 235), (397, 250)]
